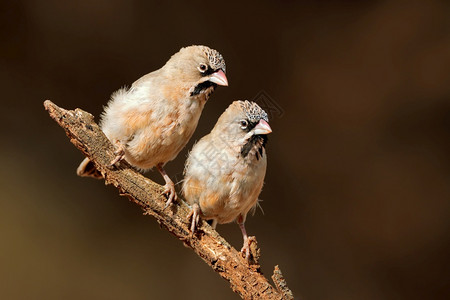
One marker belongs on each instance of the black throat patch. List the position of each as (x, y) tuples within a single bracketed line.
[(203, 86), (257, 142)]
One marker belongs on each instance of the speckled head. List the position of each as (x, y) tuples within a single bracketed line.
[(199, 67), (216, 60), (253, 111), (241, 121)]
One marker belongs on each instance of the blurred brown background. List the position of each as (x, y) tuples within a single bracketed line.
[(357, 193)]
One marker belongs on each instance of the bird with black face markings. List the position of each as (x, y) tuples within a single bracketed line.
[(225, 170), (150, 122)]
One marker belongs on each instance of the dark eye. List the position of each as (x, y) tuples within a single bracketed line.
[(244, 124), (202, 68)]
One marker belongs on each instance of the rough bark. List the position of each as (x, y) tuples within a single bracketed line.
[(245, 279)]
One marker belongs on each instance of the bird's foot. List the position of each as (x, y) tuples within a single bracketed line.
[(169, 191), (119, 153), (246, 250), (169, 187), (194, 217)]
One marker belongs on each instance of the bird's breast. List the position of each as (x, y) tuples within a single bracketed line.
[(164, 135), (230, 185)]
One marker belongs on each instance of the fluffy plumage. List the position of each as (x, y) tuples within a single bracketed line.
[(225, 170), (150, 122)]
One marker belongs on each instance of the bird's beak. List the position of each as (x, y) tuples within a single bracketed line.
[(262, 128), (219, 78)]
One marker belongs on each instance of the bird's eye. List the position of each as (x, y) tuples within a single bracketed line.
[(244, 124), (202, 68)]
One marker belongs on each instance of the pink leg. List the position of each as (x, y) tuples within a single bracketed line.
[(120, 153), (246, 247), (214, 223), (195, 215), (169, 187)]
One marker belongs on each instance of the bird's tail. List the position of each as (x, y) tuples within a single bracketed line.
[(87, 169)]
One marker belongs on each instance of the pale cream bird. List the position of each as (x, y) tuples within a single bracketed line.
[(225, 170), (150, 122)]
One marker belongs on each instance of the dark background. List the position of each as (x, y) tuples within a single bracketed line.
[(357, 191)]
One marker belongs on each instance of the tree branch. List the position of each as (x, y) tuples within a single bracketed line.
[(245, 279)]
